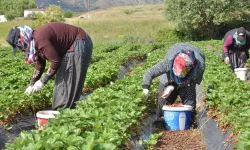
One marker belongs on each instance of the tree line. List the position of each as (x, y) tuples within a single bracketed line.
[(15, 8), (206, 19)]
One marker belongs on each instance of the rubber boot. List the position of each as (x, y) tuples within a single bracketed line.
[(193, 123)]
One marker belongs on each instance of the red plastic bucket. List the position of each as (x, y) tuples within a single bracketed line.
[(44, 116)]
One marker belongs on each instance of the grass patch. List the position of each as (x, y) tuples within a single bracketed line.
[(77, 14), (139, 26), (5, 28)]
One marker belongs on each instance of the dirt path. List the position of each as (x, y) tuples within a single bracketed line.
[(181, 140)]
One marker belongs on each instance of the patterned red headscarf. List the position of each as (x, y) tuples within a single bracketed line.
[(182, 66)]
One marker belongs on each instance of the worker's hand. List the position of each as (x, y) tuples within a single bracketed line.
[(167, 91), (28, 90), (226, 60), (37, 87), (145, 92)]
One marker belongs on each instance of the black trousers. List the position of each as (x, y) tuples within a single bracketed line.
[(237, 57), (71, 75)]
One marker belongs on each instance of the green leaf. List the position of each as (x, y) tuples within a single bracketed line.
[(72, 148)]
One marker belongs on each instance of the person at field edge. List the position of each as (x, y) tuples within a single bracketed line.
[(235, 47), (179, 72), (68, 49)]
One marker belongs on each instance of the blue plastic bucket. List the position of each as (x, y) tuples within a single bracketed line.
[(177, 118)]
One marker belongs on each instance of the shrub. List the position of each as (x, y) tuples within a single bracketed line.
[(200, 20), (128, 38), (128, 11), (53, 13), (167, 35), (15, 8), (32, 16), (68, 14), (10, 15)]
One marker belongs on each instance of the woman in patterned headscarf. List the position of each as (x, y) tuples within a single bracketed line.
[(179, 72), (66, 47)]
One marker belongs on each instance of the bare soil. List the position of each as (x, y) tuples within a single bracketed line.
[(181, 140)]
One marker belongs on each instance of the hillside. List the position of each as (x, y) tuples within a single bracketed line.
[(137, 23), (82, 5)]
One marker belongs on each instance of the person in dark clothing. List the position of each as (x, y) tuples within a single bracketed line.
[(235, 47), (179, 72), (68, 49)]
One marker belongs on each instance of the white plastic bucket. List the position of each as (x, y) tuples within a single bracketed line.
[(177, 118), (44, 116), (241, 73)]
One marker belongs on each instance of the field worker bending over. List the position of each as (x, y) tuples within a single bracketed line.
[(66, 47), (179, 72), (235, 47)]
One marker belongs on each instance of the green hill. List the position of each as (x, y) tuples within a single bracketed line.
[(82, 5)]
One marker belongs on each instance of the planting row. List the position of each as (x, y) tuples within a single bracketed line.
[(226, 95), (105, 121), (111, 115), (15, 76)]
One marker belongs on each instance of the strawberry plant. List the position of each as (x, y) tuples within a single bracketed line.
[(102, 122), (111, 115), (226, 95)]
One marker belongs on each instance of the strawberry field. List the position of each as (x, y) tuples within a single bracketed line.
[(114, 110)]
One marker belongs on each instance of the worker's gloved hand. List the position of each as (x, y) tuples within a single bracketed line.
[(28, 90), (145, 92), (226, 60), (167, 91), (37, 87)]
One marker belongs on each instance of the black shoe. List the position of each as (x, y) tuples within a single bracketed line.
[(161, 115), (160, 123), (194, 125)]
